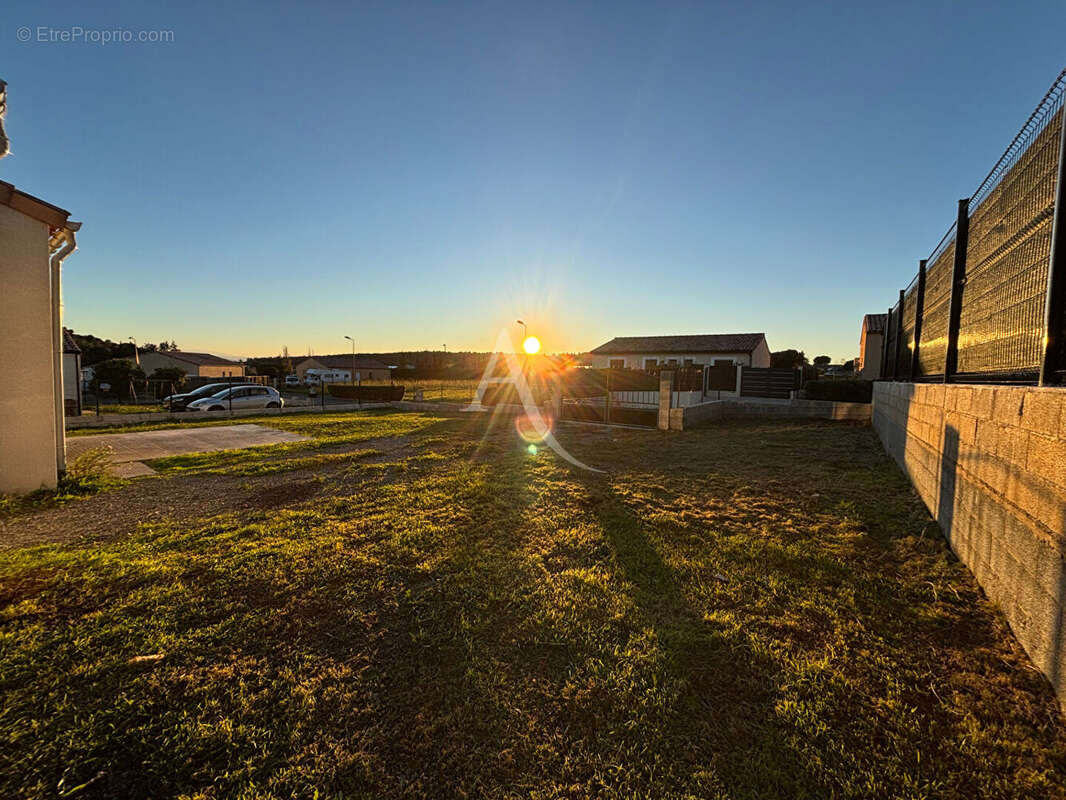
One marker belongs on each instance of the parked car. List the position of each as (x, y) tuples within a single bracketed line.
[(292, 380), (243, 396), (179, 402)]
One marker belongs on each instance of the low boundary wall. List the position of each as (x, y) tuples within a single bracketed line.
[(990, 465), (682, 418)]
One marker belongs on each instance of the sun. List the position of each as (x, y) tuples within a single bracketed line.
[(531, 345)]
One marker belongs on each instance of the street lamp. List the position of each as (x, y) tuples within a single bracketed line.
[(350, 339), (136, 355)]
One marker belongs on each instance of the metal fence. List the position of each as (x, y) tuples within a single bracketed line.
[(989, 304)]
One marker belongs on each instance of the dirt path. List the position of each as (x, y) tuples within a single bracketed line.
[(118, 512)]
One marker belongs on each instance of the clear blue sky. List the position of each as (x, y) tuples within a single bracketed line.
[(416, 174)]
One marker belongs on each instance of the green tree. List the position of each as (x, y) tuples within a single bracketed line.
[(171, 375), (118, 373), (788, 359), (822, 361)]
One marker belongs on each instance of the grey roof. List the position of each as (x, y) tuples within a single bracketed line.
[(69, 345), (874, 323), (200, 359), (699, 343)]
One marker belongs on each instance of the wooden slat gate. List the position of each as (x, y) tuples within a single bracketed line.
[(769, 382)]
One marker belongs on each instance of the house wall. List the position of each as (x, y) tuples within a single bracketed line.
[(72, 383), (870, 347), (150, 362), (990, 465), (636, 360), (761, 356), (27, 404)]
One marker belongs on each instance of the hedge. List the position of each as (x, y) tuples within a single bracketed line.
[(368, 393), (848, 390)]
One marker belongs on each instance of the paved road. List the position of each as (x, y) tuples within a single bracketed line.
[(132, 448)]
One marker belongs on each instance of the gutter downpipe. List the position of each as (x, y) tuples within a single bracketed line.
[(66, 244)]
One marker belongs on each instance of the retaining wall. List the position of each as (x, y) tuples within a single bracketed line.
[(990, 464)]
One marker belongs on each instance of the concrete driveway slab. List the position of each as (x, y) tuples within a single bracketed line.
[(144, 445)]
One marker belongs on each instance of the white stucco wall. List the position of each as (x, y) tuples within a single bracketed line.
[(27, 404), (636, 360), (72, 380)]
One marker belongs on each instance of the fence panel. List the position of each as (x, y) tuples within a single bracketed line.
[(1003, 300), (906, 345), (1003, 285), (934, 345), (769, 382)]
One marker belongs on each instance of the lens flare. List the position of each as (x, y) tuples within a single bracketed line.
[(531, 345), (532, 449), (533, 428)]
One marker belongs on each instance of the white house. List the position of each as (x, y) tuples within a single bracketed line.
[(871, 343), (647, 352), (71, 375)]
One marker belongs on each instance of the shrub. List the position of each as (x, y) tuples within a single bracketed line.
[(87, 472), (367, 393), (848, 390)]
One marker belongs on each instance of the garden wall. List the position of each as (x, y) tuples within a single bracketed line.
[(990, 464)]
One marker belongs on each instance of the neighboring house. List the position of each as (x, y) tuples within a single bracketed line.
[(647, 352), (366, 368), (71, 375), (35, 237), (197, 365), (871, 344)]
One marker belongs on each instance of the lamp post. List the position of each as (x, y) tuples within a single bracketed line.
[(136, 355), (525, 330), (350, 339)]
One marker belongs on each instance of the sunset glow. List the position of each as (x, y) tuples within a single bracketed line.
[(531, 345)]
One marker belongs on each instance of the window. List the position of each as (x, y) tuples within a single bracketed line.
[(723, 362), (618, 363), (260, 391), (688, 362), (672, 362), (651, 363)]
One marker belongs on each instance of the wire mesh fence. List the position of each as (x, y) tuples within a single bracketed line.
[(992, 314)]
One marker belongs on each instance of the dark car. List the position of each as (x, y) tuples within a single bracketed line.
[(178, 402)]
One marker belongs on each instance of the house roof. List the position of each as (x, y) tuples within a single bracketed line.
[(199, 359), (344, 361), (699, 343), (69, 345), (53, 216), (874, 323)]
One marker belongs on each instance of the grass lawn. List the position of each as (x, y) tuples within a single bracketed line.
[(746, 611)]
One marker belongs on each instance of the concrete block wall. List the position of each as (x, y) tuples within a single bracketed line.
[(679, 419), (990, 465)]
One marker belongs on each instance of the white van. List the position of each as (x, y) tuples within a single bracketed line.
[(292, 380)]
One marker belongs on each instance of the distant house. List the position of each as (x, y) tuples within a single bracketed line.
[(646, 352), (871, 342), (197, 365), (366, 368), (71, 375)]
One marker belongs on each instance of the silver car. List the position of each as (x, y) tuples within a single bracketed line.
[(241, 396)]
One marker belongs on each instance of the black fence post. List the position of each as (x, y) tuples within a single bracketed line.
[(919, 308), (958, 280), (886, 336), (899, 337), (1053, 362)]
